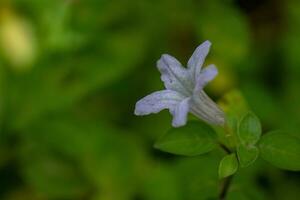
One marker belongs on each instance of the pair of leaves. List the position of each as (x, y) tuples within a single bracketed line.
[(195, 138), (249, 132), (230, 163), (277, 147)]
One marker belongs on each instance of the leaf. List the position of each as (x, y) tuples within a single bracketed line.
[(249, 130), (228, 166), (281, 149), (193, 139), (247, 155)]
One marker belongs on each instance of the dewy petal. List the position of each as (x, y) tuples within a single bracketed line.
[(206, 109), (180, 113), (157, 101), (197, 59), (205, 76), (174, 76)]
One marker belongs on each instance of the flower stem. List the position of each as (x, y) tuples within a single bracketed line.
[(227, 180), (231, 136), (225, 188), (225, 148)]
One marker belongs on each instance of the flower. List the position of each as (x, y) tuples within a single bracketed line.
[(184, 90)]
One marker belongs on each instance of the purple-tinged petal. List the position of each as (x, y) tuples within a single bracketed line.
[(197, 59), (157, 101), (180, 113), (205, 76), (174, 75)]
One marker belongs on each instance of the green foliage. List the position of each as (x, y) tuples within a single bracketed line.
[(228, 166), (71, 72), (249, 130), (281, 149), (247, 155), (193, 139)]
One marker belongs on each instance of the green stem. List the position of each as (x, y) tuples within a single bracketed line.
[(227, 180), (225, 188), (225, 148)]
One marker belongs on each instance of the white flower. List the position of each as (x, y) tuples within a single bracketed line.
[(184, 90)]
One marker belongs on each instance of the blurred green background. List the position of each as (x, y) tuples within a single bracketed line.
[(72, 70)]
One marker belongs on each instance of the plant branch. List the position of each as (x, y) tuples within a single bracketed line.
[(225, 188), (226, 149)]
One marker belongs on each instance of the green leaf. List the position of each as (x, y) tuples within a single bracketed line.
[(193, 139), (247, 155), (281, 149), (228, 166), (249, 130)]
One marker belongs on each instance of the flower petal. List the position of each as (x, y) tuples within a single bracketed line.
[(206, 109), (197, 59), (158, 101), (174, 76), (205, 76), (180, 113)]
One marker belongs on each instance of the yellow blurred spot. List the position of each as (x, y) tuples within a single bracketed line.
[(223, 82), (234, 102), (17, 40)]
